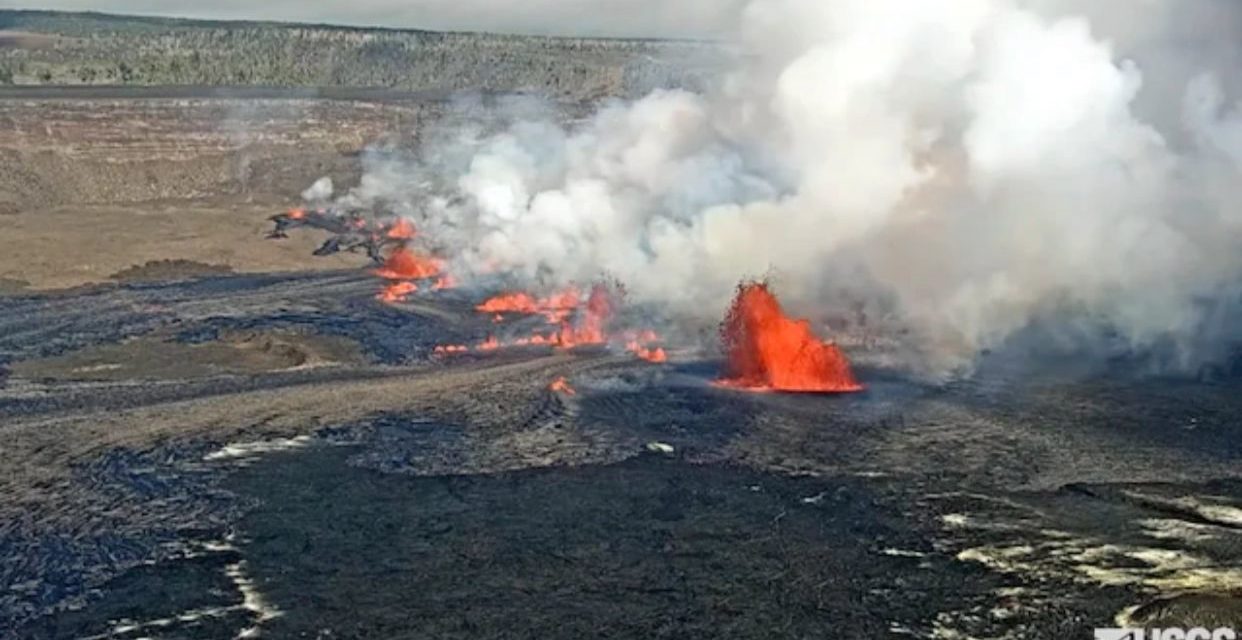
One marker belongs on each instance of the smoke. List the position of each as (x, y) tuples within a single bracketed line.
[(319, 192), (968, 167)]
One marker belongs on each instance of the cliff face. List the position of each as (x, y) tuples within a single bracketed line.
[(186, 112), (54, 152), (155, 139), (47, 48)]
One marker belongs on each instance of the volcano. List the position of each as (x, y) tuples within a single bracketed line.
[(769, 351)]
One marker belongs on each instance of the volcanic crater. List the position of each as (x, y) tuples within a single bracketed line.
[(210, 433)]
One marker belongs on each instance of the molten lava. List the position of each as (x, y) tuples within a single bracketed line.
[(555, 307), (643, 345), (561, 385), (575, 323), (402, 229), (767, 350), (591, 326), (397, 291), (508, 302), (445, 281), (534, 340), (655, 355), (404, 264)]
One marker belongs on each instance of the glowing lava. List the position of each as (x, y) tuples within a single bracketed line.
[(445, 281), (404, 264), (513, 302), (402, 229), (650, 354), (642, 344), (561, 385), (555, 307), (397, 291), (591, 326), (575, 323), (767, 350)]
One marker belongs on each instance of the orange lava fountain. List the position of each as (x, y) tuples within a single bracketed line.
[(767, 350)]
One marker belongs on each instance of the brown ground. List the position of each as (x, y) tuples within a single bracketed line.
[(90, 188), (28, 40), (68, 246)]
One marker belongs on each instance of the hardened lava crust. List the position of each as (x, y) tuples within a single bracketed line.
[(207, 433)]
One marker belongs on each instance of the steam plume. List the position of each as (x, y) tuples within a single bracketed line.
[(966, 166)]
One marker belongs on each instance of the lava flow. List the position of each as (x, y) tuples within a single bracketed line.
[(397, 291), (768, 351), (404, 264), (644, 345), (555, 308), (591, 326), (574, 323)]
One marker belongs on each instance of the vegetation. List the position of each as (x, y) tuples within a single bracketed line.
[(88, 48)]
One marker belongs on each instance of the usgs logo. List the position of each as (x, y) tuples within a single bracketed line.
[(1171, 633)]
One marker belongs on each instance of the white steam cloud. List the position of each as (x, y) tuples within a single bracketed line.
[(967, 166)]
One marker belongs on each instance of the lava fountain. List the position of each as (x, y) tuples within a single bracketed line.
[(769, 351)]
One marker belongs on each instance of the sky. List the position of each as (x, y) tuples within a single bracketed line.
[(620, 18)]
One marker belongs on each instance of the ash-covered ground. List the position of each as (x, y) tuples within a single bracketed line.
[(207, 434)]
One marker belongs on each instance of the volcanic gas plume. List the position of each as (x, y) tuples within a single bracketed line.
[(963, 169), (766, 350), (571, 320)]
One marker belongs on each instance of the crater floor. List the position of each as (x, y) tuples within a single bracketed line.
[(282, 452)]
